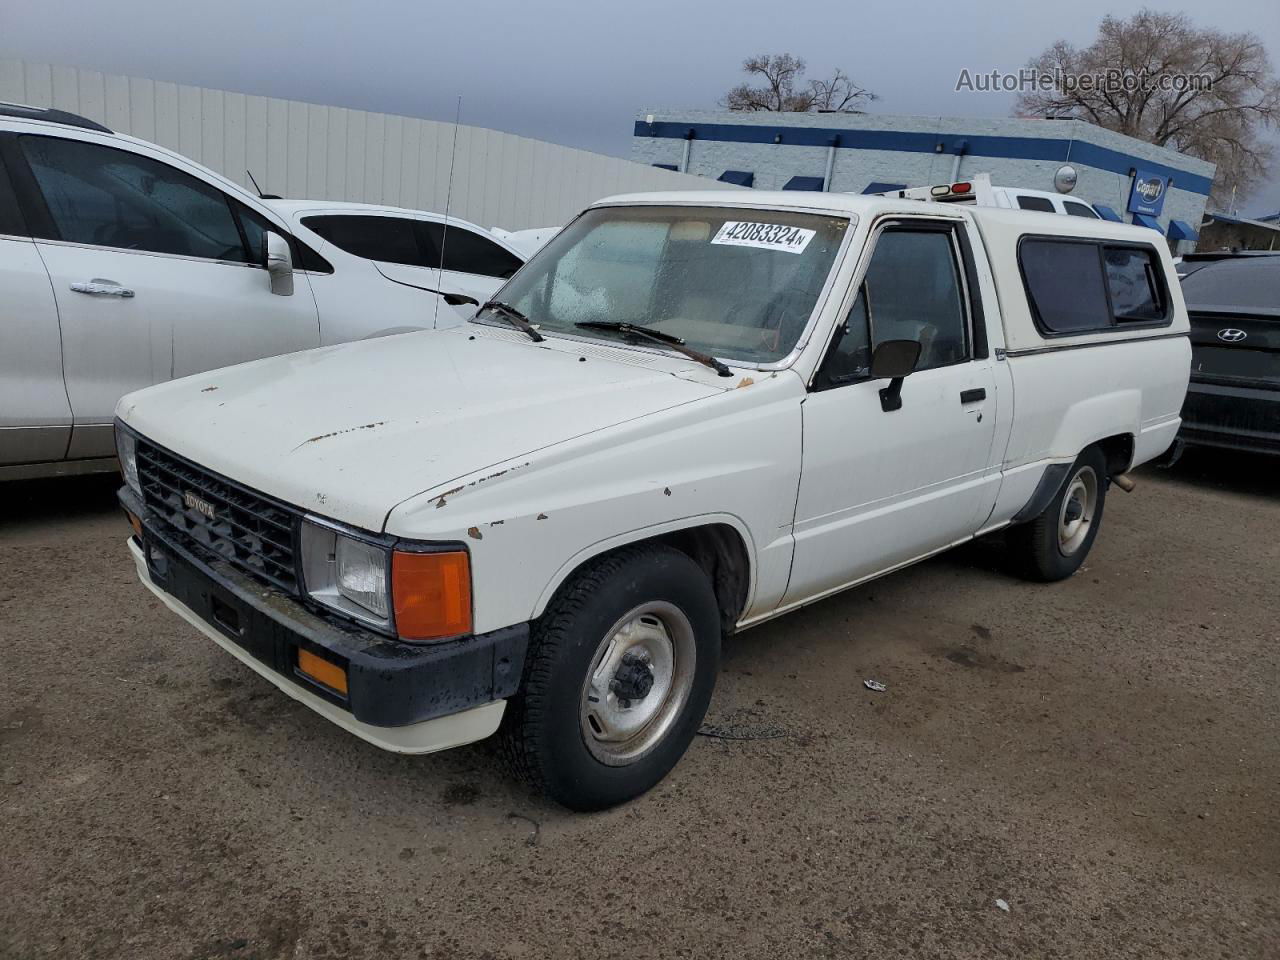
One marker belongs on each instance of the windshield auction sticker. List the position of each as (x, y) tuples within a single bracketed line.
[(766, 236)]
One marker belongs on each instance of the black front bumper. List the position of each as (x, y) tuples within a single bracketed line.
[(389, 683), (1232, 416)]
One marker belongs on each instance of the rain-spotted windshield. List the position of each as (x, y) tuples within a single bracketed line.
[(735, 283)]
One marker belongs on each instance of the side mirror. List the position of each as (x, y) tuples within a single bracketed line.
[(458, 299), (894, 360), (279, 263)]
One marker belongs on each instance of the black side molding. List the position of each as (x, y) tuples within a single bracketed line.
[(1055, 475)]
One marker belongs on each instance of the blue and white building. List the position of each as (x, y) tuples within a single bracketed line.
[(1124, 178)]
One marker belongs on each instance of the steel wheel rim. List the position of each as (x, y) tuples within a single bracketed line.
[(618, 731), (1079, 506)]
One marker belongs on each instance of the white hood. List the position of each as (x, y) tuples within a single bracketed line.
[(350, 431)]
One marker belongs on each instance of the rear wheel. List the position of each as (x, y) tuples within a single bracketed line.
[(1053, 545), (618, 677)]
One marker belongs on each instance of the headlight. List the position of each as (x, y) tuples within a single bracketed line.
[(347, 573), (427, 586), (127, 451)]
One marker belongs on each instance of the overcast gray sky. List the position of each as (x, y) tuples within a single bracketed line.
[(571, 71)]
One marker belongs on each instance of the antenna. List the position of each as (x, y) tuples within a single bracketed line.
[(448, 199), (254, 181)]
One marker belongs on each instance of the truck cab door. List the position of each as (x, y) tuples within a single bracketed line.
[(153, 276), (881, 486)]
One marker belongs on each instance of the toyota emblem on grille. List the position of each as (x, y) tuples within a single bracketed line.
[(1231, 335), (198, 504)]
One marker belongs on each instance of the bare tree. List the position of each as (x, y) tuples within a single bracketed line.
[(1206, 93), (784, 90), (839, 94)]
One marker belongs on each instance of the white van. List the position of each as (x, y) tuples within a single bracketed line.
[(980, 191), (689, 414), (123, 264)]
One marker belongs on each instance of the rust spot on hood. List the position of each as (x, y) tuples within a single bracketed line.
[(745, 382), (338, 433), (442, 499), (208, 389), (474, 533)]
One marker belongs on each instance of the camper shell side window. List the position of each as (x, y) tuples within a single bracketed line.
[(1077, 285)]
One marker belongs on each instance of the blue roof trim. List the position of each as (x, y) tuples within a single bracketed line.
[(743, 178), (1013, 148), (804, 183), (875, 186), (1181, 230), (1142, 220), (1106, 213)]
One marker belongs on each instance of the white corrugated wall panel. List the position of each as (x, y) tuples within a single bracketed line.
[(301, 149)]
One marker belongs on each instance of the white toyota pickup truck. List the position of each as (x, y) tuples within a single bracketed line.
[(687, 414)]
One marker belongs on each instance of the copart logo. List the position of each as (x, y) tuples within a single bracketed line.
[(1150, 190), (1231, 335)]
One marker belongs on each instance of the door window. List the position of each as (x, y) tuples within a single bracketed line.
[(113, 198), (10, 216), (467, 252), (254, 225), (388, 239), (911, 291)]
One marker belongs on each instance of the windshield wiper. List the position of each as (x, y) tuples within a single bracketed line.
[(515, 317), (670, 340)]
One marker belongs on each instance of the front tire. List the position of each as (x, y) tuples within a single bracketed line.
[(1054, 544), (618, 677)]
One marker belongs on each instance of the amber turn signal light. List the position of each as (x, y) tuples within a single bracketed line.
[(432, 594), (321, 670), (135, 523)]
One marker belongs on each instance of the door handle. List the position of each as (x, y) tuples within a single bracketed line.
[(974, 395), (102, 288)]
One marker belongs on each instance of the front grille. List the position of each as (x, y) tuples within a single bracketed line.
[(255, 533)]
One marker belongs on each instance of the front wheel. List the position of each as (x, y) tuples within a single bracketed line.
[(618, 677), (1053, 545)]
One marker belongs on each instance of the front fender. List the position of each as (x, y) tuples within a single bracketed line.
[(648, 533), (528, 523)]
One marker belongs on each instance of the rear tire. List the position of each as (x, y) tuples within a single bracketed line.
[(1053, 545), (619, 673)]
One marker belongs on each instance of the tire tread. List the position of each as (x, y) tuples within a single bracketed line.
[(519, 742)]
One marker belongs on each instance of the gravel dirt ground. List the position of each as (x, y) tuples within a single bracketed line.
[(1103, 755)]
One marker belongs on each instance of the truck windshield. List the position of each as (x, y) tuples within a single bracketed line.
[(732, 282)]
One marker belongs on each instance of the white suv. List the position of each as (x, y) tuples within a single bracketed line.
[(123, 264)]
